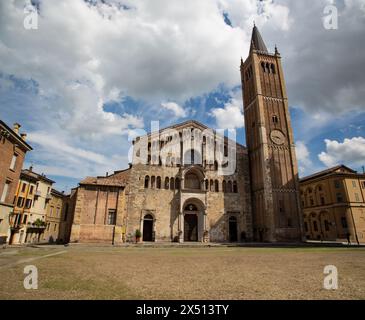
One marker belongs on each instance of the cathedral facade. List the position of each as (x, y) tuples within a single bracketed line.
[(189, 183)]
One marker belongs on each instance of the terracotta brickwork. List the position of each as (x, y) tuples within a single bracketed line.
[(13, 148)]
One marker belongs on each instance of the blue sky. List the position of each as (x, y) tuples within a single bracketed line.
[(93, 71)]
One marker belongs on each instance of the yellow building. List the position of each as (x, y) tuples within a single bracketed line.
[(333, 203), (28, 220), (54, 217)]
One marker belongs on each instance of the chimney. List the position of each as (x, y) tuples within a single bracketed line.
[(31, 168), (23, 136), (16, 127), (107, 174)]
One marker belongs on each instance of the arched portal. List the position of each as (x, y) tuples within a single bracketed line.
[(191, 223), (148, 228)]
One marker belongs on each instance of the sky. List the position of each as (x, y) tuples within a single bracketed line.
[(94, 72)]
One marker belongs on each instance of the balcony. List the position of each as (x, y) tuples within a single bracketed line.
[(37, 193), (48, 197)]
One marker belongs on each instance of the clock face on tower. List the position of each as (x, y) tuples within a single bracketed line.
[(277, 137)]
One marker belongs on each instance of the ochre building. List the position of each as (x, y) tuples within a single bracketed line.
[(333, 204), (190, 183)]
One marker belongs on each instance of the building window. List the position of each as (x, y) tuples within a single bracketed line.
[(20, 202), (177, 184), (363, 184), (158, 183), (337, 184), (235, 187), (23, 187), (311, 201), (146, 181), (354, 184), (339, 197), (31, 189), (315, 226), (28, 203), (344, 222), (13, 162), (323, 202), (216, 186), (5, 191), (112, 217), (275, 119), (153, 181), (167, 183), (224, 186), (172, 184), (357, 198)]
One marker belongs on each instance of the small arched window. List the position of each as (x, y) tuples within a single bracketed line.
[(211, 185), (273, 69), (146, 181), (229, 187), (172, 184), (158, 183), (167, 183), (215, 165), (275, 119), (206, 185), (153, 181), (224, 186), (235, 188), (216, 186), (263, 67), (267, 67)]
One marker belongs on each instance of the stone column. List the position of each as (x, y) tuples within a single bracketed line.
[(181, 227)]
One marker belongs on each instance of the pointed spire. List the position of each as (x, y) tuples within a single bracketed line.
[(257, 43)]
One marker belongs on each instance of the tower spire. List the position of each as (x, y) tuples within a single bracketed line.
[(257, 43)]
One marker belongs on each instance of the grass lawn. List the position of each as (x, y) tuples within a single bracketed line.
[(92, 272)]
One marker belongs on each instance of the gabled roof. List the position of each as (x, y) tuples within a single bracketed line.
[(193, 123), (117, 179), (257, 43), (341, 169), (35, 176)]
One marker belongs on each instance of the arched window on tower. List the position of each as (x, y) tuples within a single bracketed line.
[(263, 67), (216, 186), (172, 184), (275, 119), (273, 68), (158, 183), (267, 67), (211, 185), (167, 183), (153, 181)]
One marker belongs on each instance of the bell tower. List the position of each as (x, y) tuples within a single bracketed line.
[(269, 137)]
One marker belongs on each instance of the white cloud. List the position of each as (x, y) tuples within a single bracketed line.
[(303, 156), (231, 115), (177, 110), (350, 152)]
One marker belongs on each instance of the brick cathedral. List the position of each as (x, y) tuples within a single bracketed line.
[(188, 183)]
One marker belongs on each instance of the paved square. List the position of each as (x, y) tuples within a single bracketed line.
[(96, 272)]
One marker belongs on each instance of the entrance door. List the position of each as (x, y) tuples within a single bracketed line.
[(148, 228), (233, 229), (191, 228)]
